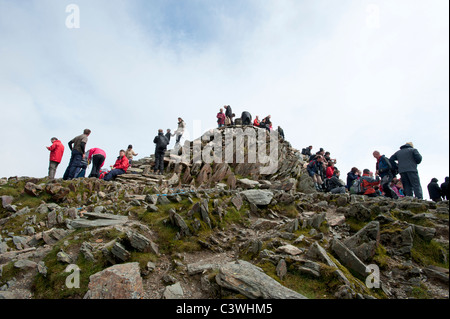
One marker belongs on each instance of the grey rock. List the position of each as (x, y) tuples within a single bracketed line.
[(259, 197), (426, 233), (173, 292), (163, 200), (178, 221), (281, 269), (359, 212), (152, 208), (252, 282), (63, 257), (364, 243), (87, 250), (348, 258), (120, 252), (142, 243), (42, 268), (25, 264), (6, 200)]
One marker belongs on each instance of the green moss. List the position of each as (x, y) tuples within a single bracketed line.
[(355, 224), (420, 292), (429, 253), (381, 258)]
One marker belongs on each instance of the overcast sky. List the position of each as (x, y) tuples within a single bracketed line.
[(349, 76)]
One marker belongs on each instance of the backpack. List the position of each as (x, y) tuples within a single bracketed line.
[(356, 187), (327, 185), (304, 151), (394, 167)]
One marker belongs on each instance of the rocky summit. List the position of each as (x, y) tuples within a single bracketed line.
[(217, 229)]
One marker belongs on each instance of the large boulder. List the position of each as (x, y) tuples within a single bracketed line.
[(259, 197), (252, 282), (364, 243), (348, 258), (122, 281)]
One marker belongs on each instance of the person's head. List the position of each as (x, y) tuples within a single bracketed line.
[(53, 139), (122, 153), (130, 147), (310, 147), (336, 173), (87, 131), (160, 131), (410, 144), (180, 119), (257, 118), (354, 170), (366, 171), (327, 153), (376, 154), (168, 130), (434, 180), (330, 163), (319, 158), (221, 110)]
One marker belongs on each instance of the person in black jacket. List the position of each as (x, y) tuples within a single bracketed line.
[(434, 190), (229, 114), (246, 118), (384, 170), (280, 132), (445, 189), (160, 148), (335, 185), (408, 158)]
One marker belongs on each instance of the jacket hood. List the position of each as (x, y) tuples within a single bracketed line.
[(434, 180), (405, 146)]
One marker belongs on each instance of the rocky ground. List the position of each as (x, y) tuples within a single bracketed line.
[(208, 231)]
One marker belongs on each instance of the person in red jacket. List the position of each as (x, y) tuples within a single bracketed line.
[(221, 118), (368, 183), (330, 169), (97, 156), (120, 167), (56, 154)]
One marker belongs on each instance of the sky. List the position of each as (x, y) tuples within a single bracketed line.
[(351, 76)]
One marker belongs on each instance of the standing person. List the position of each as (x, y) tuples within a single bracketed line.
[(445, 189), (56, 154), (129, 153), (119, 168), (408, 158), (160, 148), (434, 190), (179, 131), (280, 132), (97, 156), (221, 118), (384, 170), (77, 145), (168, 135), (352, 176), (229, 114)]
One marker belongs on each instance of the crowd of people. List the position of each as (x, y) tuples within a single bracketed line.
[(384, 182), (321, 167)]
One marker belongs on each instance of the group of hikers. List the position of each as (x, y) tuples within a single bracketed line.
[(226, 119), (326, 176), (321, 167), (81, 158)]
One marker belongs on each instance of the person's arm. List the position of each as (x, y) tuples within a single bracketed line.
[(70, 144), (417, 156)]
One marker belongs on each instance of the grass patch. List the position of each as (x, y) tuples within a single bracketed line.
[(429, 253)]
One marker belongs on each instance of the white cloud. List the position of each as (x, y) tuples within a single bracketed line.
[(324, 75)]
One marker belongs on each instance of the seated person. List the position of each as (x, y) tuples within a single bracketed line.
[(351, 176), (330, 169), (120, 167), (256, 121), (314, 168), (368, 183), (336, 186)]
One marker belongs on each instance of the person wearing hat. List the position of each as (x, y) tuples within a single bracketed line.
[(129, 153), (408, 158), (434, 190)]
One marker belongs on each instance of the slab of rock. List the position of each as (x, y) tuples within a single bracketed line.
[(259, 197), (178, 221), (252, 282), (348, 258), (289, 249), (122, 281), (6, 200), (364, 243), (142, 243), (246, 183), (25, 264)]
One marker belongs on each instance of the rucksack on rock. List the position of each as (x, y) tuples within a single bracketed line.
[(356, 187)]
